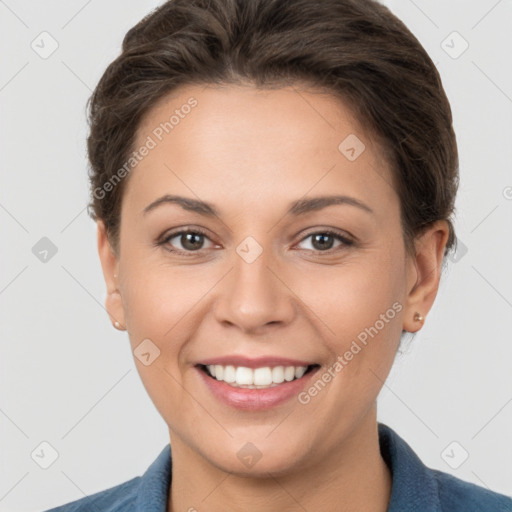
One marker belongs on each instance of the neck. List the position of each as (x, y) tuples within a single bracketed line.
[(353, 478)]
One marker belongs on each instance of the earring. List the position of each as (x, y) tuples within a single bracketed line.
[(117, 325), (418, 317)]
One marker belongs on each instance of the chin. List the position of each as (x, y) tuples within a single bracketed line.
[(256, 460)]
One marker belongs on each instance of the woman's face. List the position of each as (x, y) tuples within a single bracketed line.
[(266, 285)]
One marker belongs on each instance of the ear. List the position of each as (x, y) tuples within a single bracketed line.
[(424, 273), (110, 267)]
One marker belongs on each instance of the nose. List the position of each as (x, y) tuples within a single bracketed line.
[(254, 296)]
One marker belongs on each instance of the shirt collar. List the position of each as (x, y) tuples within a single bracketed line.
[(413, 484), (414, 487), (154, 484)]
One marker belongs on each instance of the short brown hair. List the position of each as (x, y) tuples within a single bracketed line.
[(355, 49)]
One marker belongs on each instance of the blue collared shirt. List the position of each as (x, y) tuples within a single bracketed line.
[(415, 487)]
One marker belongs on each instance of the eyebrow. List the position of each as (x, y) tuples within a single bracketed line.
[(296, 208)]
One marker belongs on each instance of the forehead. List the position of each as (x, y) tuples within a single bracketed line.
[(242, 143)]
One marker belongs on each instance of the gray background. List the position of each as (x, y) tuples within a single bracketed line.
[(67, 376)]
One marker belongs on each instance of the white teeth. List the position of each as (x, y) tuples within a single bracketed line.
[(289, 373), (244, 375), (299, 371), (229, 374), (278, 374), (264, 377), (219, 371)]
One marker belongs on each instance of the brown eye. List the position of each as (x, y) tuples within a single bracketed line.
[(190, 241), (323, 241)]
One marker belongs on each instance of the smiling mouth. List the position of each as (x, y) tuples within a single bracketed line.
[(256, 378)]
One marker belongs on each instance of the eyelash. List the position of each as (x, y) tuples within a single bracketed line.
[(347, 242)]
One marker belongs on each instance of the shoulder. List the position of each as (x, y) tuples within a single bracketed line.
[(142, 493), (458, 495), (115, 499), (417, 487)]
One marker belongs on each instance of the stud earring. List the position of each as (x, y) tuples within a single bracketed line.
[(117, 325), (418, 317)]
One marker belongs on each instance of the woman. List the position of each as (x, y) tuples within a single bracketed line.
[(273, 183)]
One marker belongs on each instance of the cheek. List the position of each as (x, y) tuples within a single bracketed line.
[(355, 295), (361, 311), (156, 294), (159, 305)]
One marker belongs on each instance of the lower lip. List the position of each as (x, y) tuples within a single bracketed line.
[(255, 399)]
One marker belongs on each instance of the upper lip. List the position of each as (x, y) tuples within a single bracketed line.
[(256, 362)]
